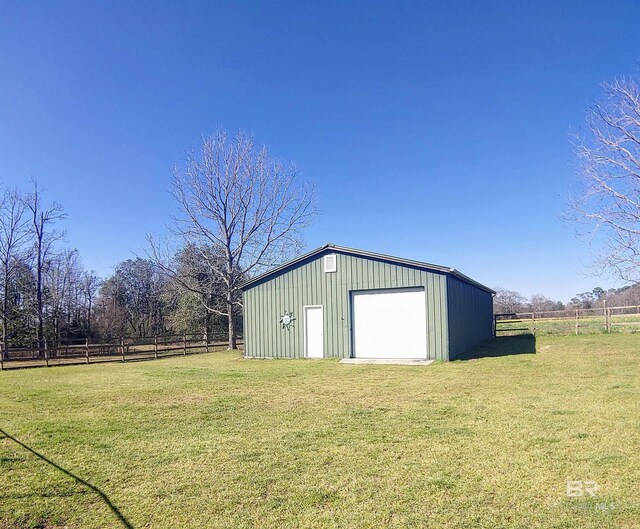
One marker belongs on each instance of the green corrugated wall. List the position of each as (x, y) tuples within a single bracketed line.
[(470, 316), (308, 284)]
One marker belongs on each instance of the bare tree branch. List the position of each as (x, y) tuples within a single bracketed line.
[(241, 213), (44, 237), (13, 237), (608, 200)]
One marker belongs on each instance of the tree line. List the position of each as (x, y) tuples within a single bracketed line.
[(240, 213), (508, 301), (47, 295), (44, 290)]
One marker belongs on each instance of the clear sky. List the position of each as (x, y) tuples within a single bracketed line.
[(437, 131)]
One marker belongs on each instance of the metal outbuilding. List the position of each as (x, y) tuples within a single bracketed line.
[(347, 303)]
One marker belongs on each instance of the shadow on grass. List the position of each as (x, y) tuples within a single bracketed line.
[(504, 346), (95, 489)]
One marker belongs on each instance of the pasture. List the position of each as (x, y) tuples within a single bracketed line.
[(589, 323), (218, 441)]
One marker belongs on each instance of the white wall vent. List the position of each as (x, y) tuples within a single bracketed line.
[(330, 263)]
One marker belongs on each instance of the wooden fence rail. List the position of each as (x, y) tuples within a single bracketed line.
[(573, 321), (124, 349)]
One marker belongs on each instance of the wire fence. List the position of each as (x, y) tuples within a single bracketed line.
[(125, 349), (571, 321)]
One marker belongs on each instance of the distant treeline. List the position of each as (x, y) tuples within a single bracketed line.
[(46, 294), (240, 213), (140, 299), (508, 301)]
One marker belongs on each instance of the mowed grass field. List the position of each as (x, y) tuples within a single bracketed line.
[(216, 441), (627, 323)]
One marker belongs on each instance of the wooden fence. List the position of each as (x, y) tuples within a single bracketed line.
[(120, 350), (571, 321)]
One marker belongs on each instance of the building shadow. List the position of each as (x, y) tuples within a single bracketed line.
[(91, 487), (503, 346)]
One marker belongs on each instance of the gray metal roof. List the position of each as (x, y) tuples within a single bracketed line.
[(370, 255)]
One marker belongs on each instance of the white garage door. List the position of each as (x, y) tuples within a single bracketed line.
[(390, 324)]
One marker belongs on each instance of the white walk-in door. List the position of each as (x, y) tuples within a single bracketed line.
[(313, 332), (390, 324)]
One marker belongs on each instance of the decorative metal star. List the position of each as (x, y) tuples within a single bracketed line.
[(287, 319)]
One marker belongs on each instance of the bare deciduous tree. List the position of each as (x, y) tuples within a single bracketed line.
[(132, 299), (89, 287), (44, 291), (541, 303), (241, 211), (60, 276), (508, 301), (44, 237), (608, 202), (13, 235)]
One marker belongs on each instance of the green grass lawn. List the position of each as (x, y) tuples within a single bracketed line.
[(216, 441)]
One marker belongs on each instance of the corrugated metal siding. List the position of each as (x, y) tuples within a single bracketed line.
[(308, 284), (470, 316)]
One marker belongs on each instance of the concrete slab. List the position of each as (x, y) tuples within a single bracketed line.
[(394, 361)]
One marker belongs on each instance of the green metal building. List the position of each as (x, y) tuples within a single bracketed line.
[(341, 302)]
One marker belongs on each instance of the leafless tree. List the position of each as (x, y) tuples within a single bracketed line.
[(44, 237), (541, 303), (508, 301), (13, 235), (89, 286), (241, 210), (60, 275), (131, 299), (608, 201)]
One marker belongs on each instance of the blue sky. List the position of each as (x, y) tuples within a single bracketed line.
[(438, 131)]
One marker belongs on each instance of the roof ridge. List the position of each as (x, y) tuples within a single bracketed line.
[(373, 255)]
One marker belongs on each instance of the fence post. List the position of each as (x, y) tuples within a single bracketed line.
[(46, 354), (606, 316), (533, 317), (155, 346), (122, 348), (4, 354), (86, 350), (184, 343), (2, 357), (206, 340), (577, 317)]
